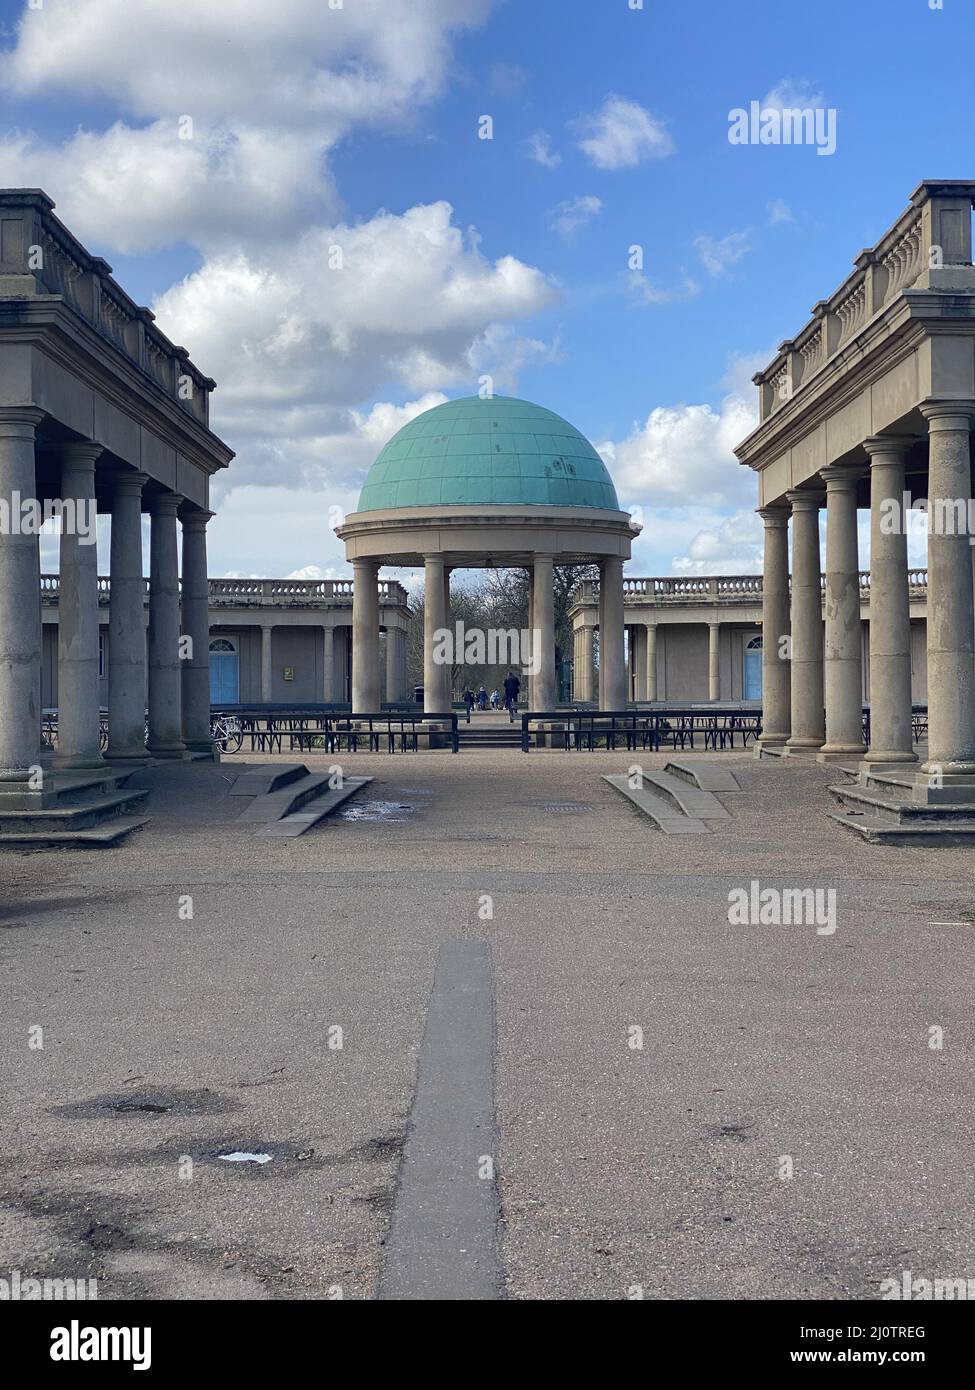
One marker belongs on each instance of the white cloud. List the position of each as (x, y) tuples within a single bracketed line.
[(641, 288), (717, 256), (779, 211), (574, 213), (255, 165), (622, 134), (733, 546), (540, 150), (138, 190), (682, 452), (791, 93)]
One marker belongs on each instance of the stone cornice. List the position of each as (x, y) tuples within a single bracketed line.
[(48, 323)]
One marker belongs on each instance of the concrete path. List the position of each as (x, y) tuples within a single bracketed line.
[(658, 1072)]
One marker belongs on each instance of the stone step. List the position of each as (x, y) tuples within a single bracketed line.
[(314, 811), (102, 836), (931, 834), (688, 799), (258, 781), (893, 807), (664, 812), (71, 786), (705, 775), (72, 815), (274, 805)]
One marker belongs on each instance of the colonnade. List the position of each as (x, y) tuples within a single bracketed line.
[(170, 673), (539, 691), (812, 696)]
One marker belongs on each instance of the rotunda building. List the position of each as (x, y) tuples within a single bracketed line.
[(477, 483)]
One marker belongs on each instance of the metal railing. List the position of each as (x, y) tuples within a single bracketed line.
[(319, 728)]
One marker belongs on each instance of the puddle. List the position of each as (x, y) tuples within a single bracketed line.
[(245, 1158), (376, 811)]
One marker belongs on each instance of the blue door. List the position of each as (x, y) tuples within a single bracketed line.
[(752, 677), (224, 673)]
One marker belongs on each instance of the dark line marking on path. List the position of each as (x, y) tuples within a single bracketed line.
[(443, 1239)]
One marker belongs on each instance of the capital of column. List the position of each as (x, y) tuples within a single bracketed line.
[(165, 503), (805, 501), (195, 519), (948, 414), (893, 446), (774, 516), (80, 457), (841, 477), (129, 484), (19, 421)]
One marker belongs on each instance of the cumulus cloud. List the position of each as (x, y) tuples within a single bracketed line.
[(644, 291), (404, 302), (685, 451), (791, 93), (718, 255), (539, 145), (622, 134), (733, 546), (230, 109), (575, 213)]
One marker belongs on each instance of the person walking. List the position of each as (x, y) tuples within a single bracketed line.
[(512, 685), (468, 698)]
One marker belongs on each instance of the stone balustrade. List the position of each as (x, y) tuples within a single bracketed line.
[(258, 593), (934, 232), (722, 589), (38, 256)]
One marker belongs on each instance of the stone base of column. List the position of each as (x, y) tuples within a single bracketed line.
[(950, 790), (840, 752), (879, 757), (119, 755), (802, 747), (18, 796), (171, 751), (198, 746), (80, 762), (772, 740)]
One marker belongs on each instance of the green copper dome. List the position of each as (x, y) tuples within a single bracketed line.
[(495, 452)]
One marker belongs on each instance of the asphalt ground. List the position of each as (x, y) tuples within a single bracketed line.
[(788, 1129)]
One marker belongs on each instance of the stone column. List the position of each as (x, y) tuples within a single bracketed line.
[(951, 625), (584, 681), (543, 633), (392, 665), (714, 661), (808, 712), (165, 667), (638, 641), (196, 627), (127, 624), (365, 636), (612, 673), (78, 693), (267, 669), (20, 616), (776, 629), (447, 670), (843, 655), (434, 619), (891, 736), (651, 661), (328, 665)]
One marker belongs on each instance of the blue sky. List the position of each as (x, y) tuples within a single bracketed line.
[(308, 121)]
